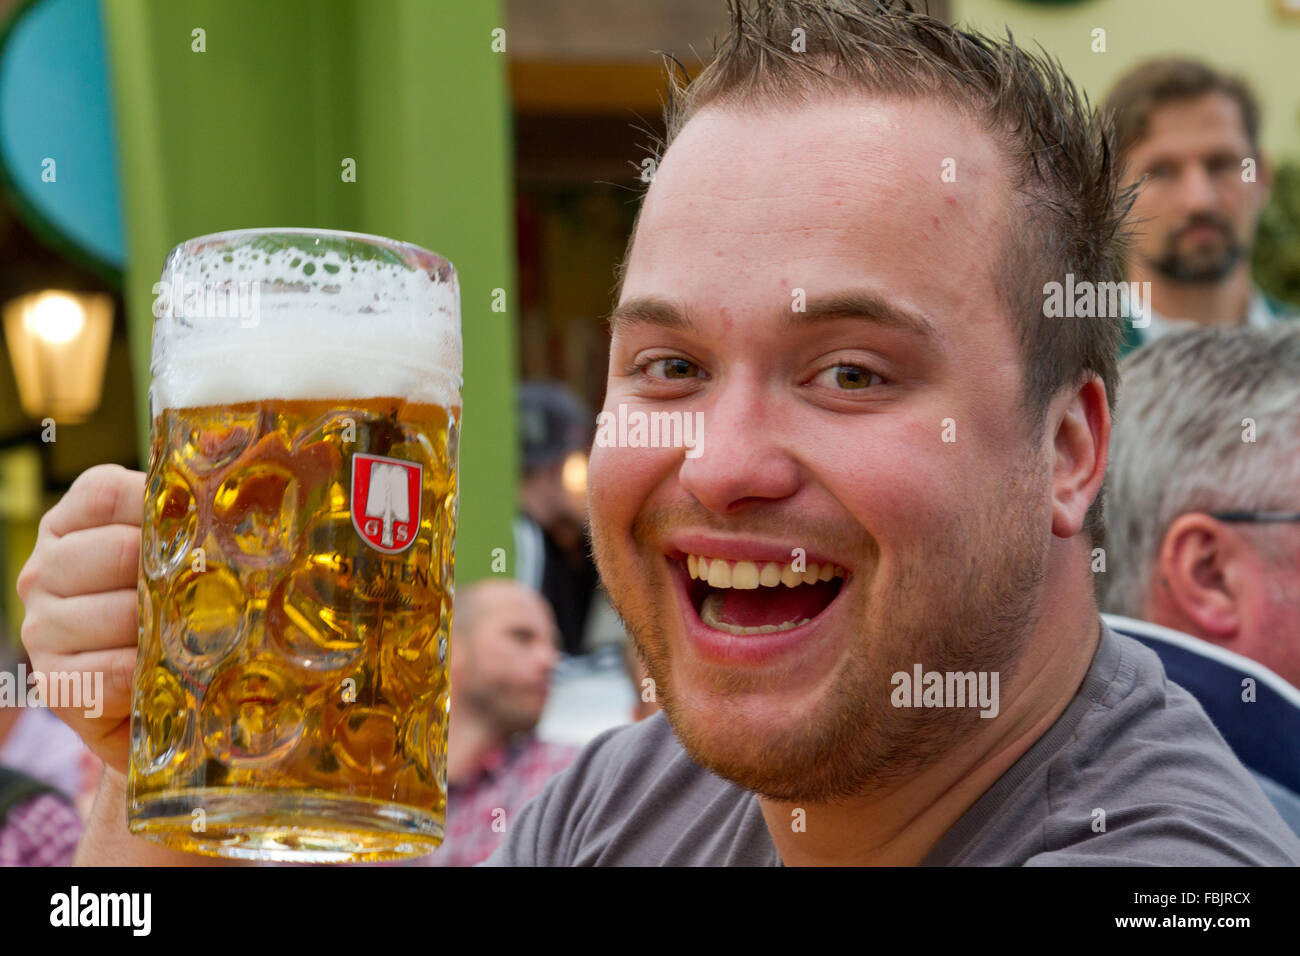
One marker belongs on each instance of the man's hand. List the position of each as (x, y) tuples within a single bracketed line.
[(79, 589)]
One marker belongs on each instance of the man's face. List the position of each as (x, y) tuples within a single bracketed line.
[(824, 429), (1195, 216), (503, 669)]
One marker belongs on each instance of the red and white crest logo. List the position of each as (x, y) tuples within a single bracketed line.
[(386, 501)]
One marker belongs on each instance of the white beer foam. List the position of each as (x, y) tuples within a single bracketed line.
[(347, 329)]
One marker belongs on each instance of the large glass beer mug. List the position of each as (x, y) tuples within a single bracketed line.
[(291, 692)]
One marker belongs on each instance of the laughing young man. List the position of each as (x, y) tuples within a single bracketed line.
[(840, 265)]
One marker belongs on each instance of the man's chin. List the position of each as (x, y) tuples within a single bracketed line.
[(738, 749), (1198, 269), (778, 749), (520, 721)]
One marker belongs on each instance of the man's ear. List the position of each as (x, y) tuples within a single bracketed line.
[(1081, 448), (1195, 572)]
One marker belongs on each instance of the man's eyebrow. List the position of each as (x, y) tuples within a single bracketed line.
[(863, 304), (853, 304), (649, 311)]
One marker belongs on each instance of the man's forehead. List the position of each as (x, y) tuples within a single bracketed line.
[(834, 141), (503, 601), (523, 605), (1192, 120), (840, 193)]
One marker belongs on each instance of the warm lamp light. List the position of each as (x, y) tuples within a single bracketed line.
[(574, 475), (58, 343)]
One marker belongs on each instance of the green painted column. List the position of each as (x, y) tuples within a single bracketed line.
[(254, 130)]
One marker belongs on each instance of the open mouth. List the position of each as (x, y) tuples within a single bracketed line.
[(758, 597)]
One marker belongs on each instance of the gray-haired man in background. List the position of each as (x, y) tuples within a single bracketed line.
[(1203, 512), (1204, 491)]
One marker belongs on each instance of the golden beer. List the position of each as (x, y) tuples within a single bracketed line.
[(295, 599)]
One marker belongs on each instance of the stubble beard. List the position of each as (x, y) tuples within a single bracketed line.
[(498, 710), (940, 610), (1198, 269)]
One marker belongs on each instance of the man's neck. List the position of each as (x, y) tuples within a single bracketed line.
[(899, 827), (469, 741), (1225, 302)]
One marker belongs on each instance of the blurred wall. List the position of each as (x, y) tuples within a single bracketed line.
[(1248, 37), (587, 92), (613, 29)]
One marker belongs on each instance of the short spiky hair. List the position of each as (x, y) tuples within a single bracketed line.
[(1058, 152)]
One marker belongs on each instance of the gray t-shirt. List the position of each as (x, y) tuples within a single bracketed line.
[(1130, 743)]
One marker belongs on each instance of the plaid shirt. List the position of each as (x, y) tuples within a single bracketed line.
[(42, 831), (481, 807)]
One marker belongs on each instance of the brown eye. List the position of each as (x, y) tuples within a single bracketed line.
[(674, 368), (851, 377)]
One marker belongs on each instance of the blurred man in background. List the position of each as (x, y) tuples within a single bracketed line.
[(551, 550), (503, 650), (1193, 133), (1204, 521)]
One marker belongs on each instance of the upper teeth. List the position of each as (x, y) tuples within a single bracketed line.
[(747, 575)]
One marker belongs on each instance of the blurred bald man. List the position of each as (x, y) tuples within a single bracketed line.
[(503, 650)]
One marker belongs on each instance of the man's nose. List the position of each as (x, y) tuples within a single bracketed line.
[(1196, 189), (744, 457), (548, 655)]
